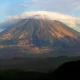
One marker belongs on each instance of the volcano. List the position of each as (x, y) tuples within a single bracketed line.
[(39, 35)]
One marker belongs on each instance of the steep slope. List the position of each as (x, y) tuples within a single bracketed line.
[(39, 35)]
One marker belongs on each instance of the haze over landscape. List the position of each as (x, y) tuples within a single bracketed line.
[(39, 35)]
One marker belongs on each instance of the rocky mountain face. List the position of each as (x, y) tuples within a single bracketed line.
[(40, 35)]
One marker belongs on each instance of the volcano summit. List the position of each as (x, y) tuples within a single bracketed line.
[(39, 35)]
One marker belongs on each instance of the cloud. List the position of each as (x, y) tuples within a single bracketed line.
[(2, 11), (64, 6), (77, 7), (7, 24), (1, 22), (24, 5), (71, 21)]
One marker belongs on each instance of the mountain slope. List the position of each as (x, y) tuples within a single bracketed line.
[(39, 35)]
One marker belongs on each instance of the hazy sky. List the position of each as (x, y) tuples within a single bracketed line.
[(13, 7)]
